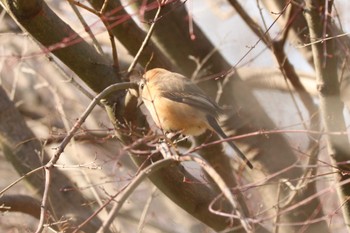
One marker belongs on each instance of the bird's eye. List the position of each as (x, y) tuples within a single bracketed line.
[(142, 85)]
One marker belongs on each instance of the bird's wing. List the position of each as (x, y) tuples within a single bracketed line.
[(193, 95), (199, 101)]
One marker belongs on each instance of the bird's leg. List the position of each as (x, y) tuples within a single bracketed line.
[(167, 146), (181, 138), (176, 137)]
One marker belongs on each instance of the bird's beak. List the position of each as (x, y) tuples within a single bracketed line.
[(139, 102), (139, 99)]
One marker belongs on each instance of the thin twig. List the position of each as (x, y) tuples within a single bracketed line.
[(130, 188), (44, 200), (331, 105), (278, 216), (306, 177), (163, 163), (91, 10), (68, 78), (19, 179), (87, 28), (328, 189), (66, 140), (81, 120), (223, 187), (148, 36), (145, 210), (110, 34), (101, 15), (104, 7), (287, 69), (114, 48)]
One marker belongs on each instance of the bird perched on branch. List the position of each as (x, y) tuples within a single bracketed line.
[(176, 104)]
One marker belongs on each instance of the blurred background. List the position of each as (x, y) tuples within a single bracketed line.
[(293, 187)]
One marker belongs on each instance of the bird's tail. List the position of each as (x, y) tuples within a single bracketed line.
[(240, 154), (216, 127)]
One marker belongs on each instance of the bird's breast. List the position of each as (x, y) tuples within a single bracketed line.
[(173, 116)]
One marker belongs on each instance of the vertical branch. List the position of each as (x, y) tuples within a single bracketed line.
[(86, 26), (105, 20), (331, 107), (148, 37)]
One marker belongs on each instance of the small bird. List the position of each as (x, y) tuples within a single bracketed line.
[(176, 104)]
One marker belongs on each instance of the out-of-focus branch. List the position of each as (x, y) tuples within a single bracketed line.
[(51, 163), (184, 193), (298, 27), (122, 26), (194, 199), (57, 37), (173, 37), (288, 71), (277, 47), (147, 38), (171, 34), (325, 62), (299, 33), (21, 148), (20, 203)]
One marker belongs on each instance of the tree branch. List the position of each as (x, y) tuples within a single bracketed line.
[(331, 107)]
